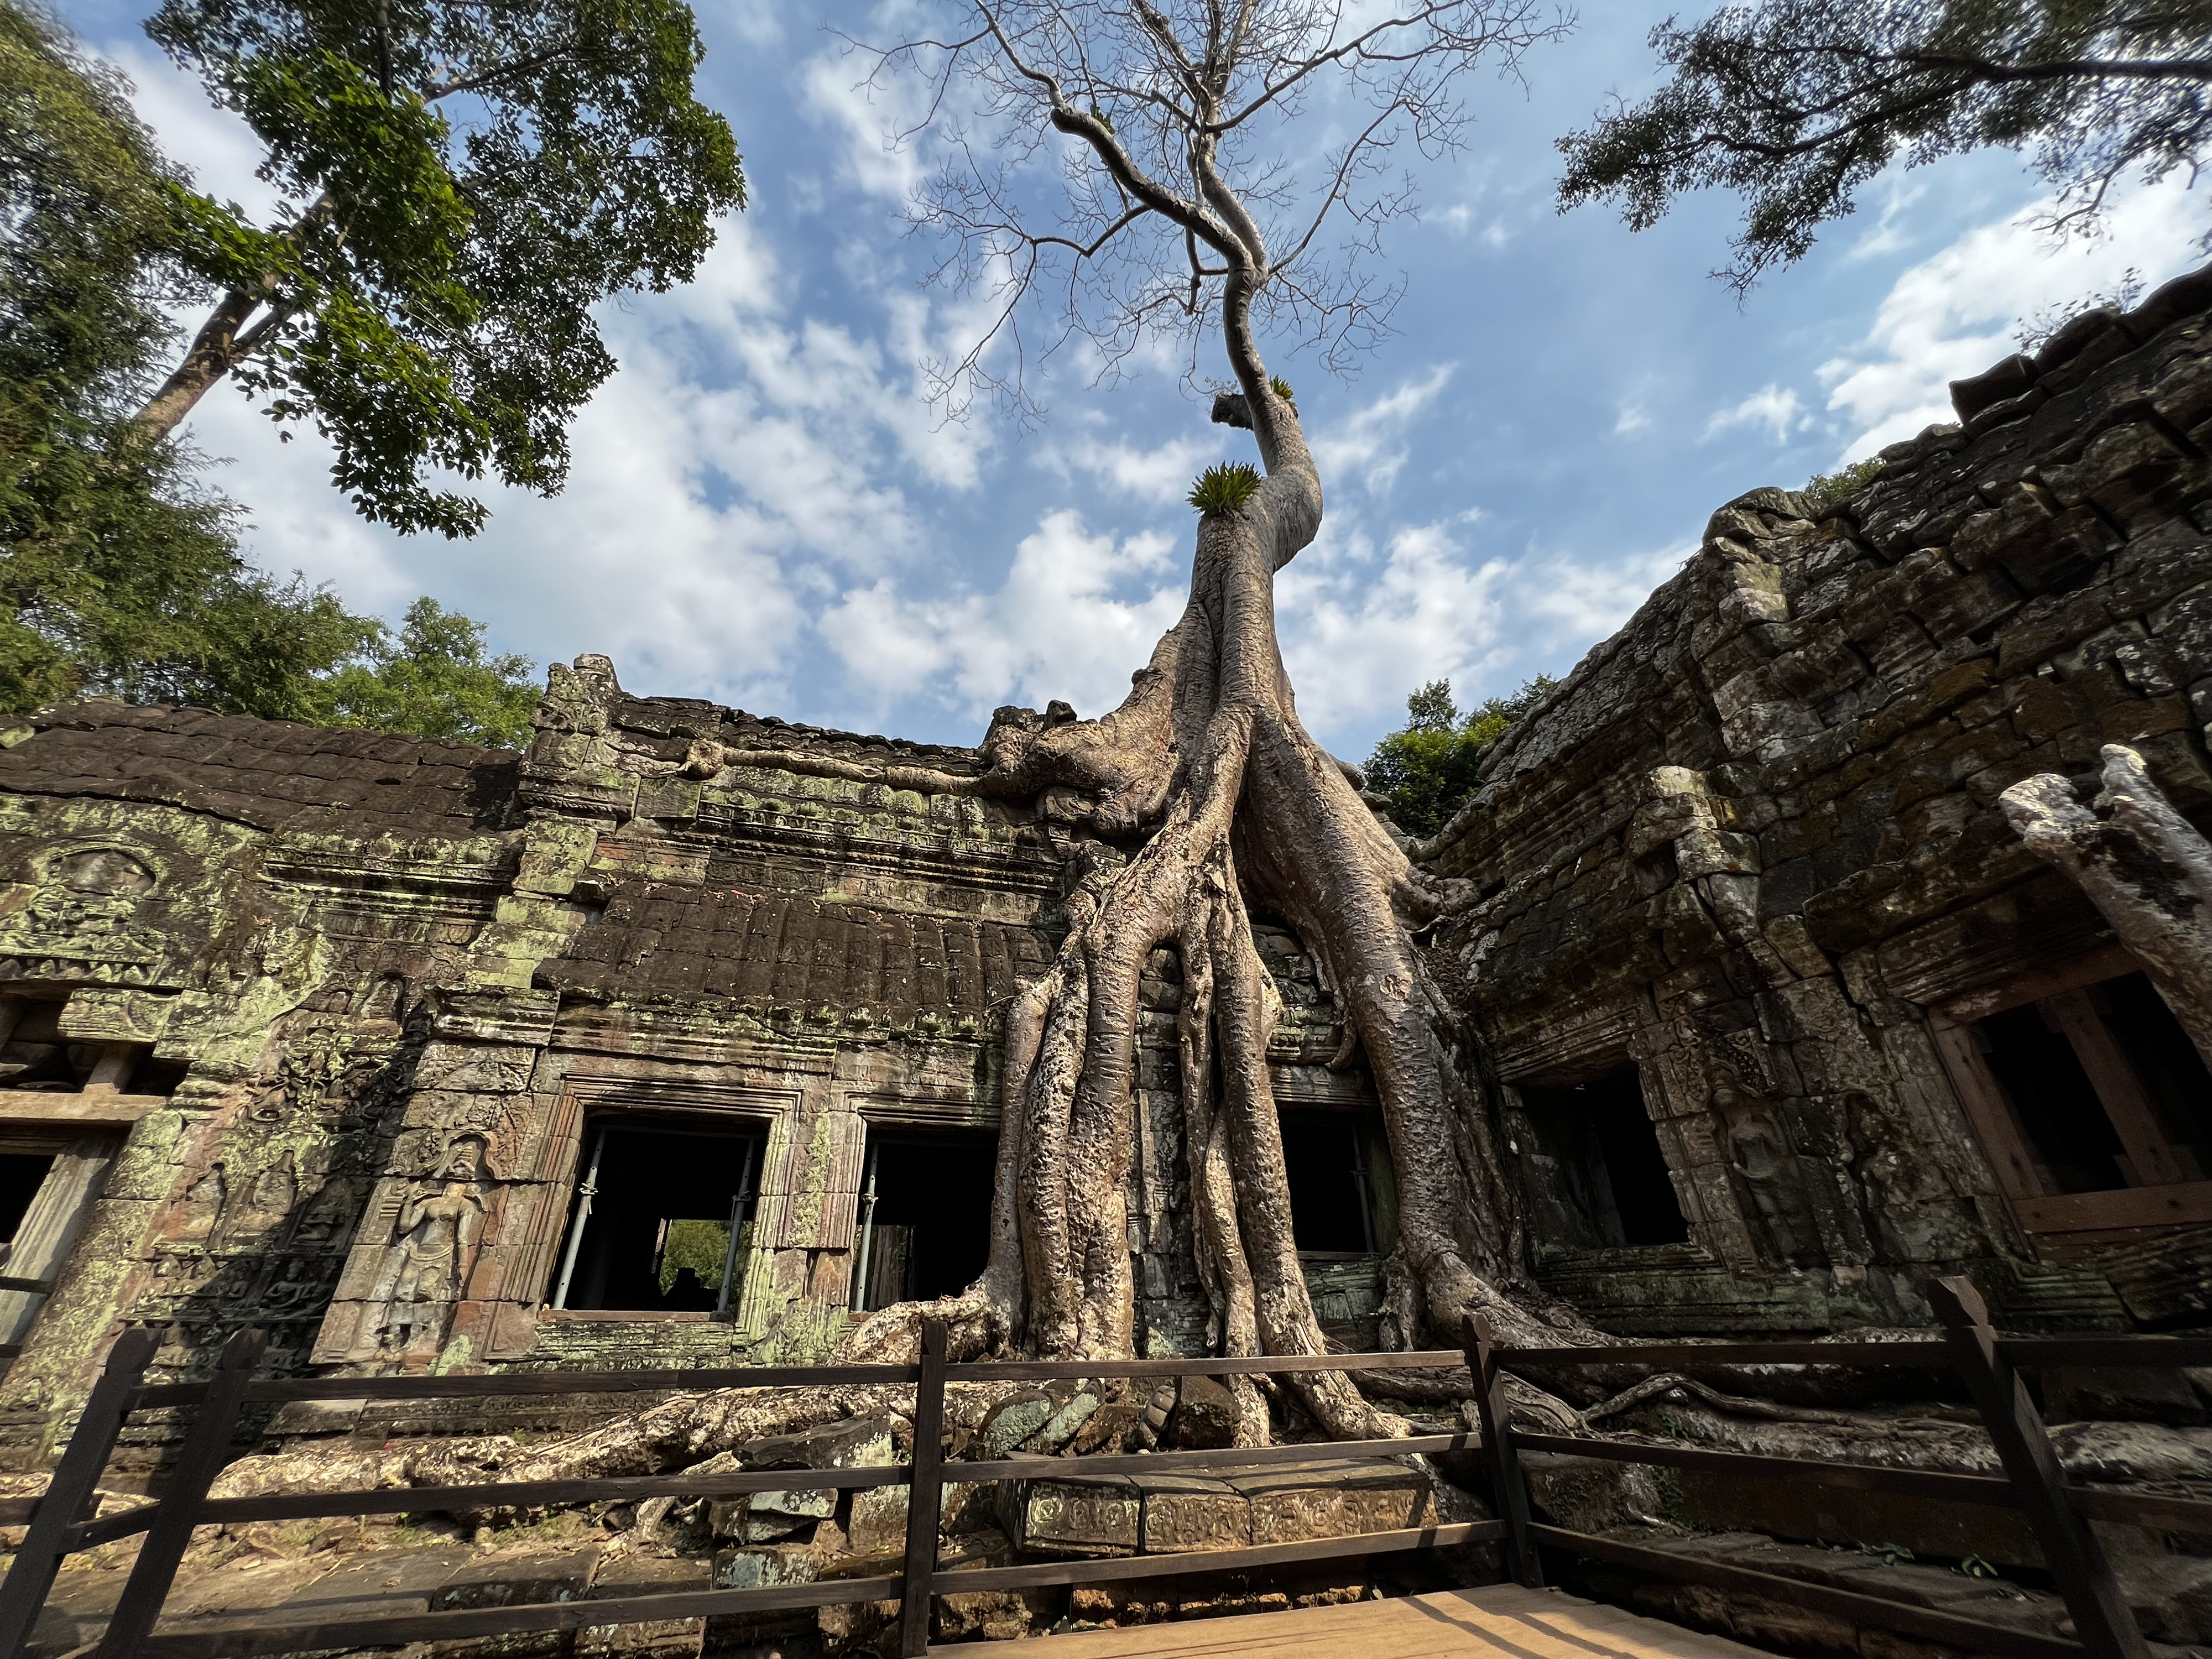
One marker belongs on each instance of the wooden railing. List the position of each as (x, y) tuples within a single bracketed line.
[(60, 1521), (1989, 1365)]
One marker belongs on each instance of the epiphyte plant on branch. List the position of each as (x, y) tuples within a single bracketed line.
[(1797, 104), (1153, 165), (460, 182)]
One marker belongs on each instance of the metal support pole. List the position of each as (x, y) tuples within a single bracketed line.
[(737, 1206), (587, 1190), (864, 1255)]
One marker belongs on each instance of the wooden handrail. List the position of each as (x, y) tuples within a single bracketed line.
[(56, 1532)]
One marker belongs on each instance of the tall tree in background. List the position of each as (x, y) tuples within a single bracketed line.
[(1795, 103), (1131, 156), (461, 182), (119, 574)]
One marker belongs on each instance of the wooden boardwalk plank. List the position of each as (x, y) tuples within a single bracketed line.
[(1496, 1622)]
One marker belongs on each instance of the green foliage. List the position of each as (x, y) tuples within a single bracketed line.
[(1795, 103), (1428, 769), (434, 681), (119, 575), (427, 290), (1975, 1567), (1224, 487), (702, 1245), (1824, 490), (1888, 1554), (1281, 388)]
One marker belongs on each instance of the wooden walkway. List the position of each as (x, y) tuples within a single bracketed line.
[(1496, 1622)]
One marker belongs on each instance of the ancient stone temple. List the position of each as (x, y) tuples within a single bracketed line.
[(675, 1040)]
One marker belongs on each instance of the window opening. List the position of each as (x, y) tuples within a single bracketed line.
[(662, 1221), (925, 1216), (1332, 1194), (1601, 1153), (2106, 1086), (21, 1174)]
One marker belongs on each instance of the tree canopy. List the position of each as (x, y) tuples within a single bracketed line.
[(461, 182), (1427, 769), (1797, 104), (120, 572), (433, 679)]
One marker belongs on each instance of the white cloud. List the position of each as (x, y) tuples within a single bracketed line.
[(1063, 624), (1361, 627), (1771, 406), (1564, 601), (1161, 475), (1953, 314), (1370, 443), (1631, 418)]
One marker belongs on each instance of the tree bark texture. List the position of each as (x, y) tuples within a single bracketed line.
[(2143, 864), (1199, 801)]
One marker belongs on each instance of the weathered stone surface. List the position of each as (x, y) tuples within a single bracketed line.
[(1332, 1498), (1074, 1515), (1183, 1512), (1204, 1414), (1015, 1421)]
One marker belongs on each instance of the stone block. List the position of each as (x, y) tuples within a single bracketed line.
[(1013, 1421), (1085, 1515), (1204, 1414), (1191, 1513), (1333, 1498), (763, 1568), (878, 1524), (506, 1580), (769, 1515), (857, 1442)]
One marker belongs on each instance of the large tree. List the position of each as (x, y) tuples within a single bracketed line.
[(461, 183), (1797, 104), (1135, 156), (119, 574)]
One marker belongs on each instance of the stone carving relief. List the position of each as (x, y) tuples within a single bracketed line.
[(438, 1226), (81, 918), (1767, 1170)]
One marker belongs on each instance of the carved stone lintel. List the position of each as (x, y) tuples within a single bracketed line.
[(2143, 864)]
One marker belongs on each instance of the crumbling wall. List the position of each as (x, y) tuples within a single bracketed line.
[(1754, 839)]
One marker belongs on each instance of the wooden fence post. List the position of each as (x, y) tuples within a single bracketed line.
[(1509, 1486), (2102, 1621), (47, 1540), (925, 1494), (206, 1450)]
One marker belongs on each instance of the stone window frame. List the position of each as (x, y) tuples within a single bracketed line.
[(2011, 1157), (766, 1110), (869, 1108)]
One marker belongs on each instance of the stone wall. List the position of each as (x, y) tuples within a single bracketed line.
[(318, 1027), (1751, 846)]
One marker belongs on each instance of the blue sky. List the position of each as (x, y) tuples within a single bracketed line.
[(765, 511)]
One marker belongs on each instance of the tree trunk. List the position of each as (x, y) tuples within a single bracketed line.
[(217, 349), (2143, 864)]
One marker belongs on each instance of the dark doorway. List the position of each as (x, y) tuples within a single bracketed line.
[(21, 1174), (925, 1217), (654, 1230), (1332, 1198), (1601, 1159)]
